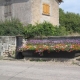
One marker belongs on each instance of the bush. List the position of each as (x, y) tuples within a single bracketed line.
[(60, 31), (11, 27), (42, 29), (14, 27)]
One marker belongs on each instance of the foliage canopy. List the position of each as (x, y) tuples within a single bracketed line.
[(70, 21)]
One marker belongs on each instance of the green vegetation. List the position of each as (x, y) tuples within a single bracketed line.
[(44, 29), (11, 27), (69, 23)]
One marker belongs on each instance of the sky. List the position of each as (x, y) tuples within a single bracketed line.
[(71, 6)]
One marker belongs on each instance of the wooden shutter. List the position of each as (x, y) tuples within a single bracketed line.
[(46, 9)]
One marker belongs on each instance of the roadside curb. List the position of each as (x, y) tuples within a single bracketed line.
[(75, 61), (48, 59)]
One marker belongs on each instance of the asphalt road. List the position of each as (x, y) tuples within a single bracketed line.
[(26, 70)]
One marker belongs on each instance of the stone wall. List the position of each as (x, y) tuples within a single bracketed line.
[(21, 9), (7, 45), (2, 10), (31, 11), (37, 11)]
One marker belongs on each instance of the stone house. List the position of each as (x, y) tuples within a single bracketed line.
[(30, 11)]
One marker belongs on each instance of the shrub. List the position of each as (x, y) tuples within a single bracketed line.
[(11, 27), (61, 31), (40, 29)]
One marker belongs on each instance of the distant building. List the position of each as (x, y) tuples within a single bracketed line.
[(30, 11)]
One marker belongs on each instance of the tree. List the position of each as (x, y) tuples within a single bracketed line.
[(71, 21)]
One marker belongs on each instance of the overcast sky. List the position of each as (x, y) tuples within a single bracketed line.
[(71, 6)]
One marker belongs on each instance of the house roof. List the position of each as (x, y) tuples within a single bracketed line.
[(60, 1)]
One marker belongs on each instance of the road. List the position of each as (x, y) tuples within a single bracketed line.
[(26, 70)]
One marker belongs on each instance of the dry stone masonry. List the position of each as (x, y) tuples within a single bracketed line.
[(7, 45)]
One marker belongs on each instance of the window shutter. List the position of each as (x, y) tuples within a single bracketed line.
[(46, 9)]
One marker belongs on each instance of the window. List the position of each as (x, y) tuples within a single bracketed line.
[(7, 10), (46, 9)]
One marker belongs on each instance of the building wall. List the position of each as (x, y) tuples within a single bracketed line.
[(30, 11), (2, 10), (37, 10), (54, 18), (21, 9)]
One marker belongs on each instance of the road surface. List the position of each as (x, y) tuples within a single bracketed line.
[(26, 70)]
